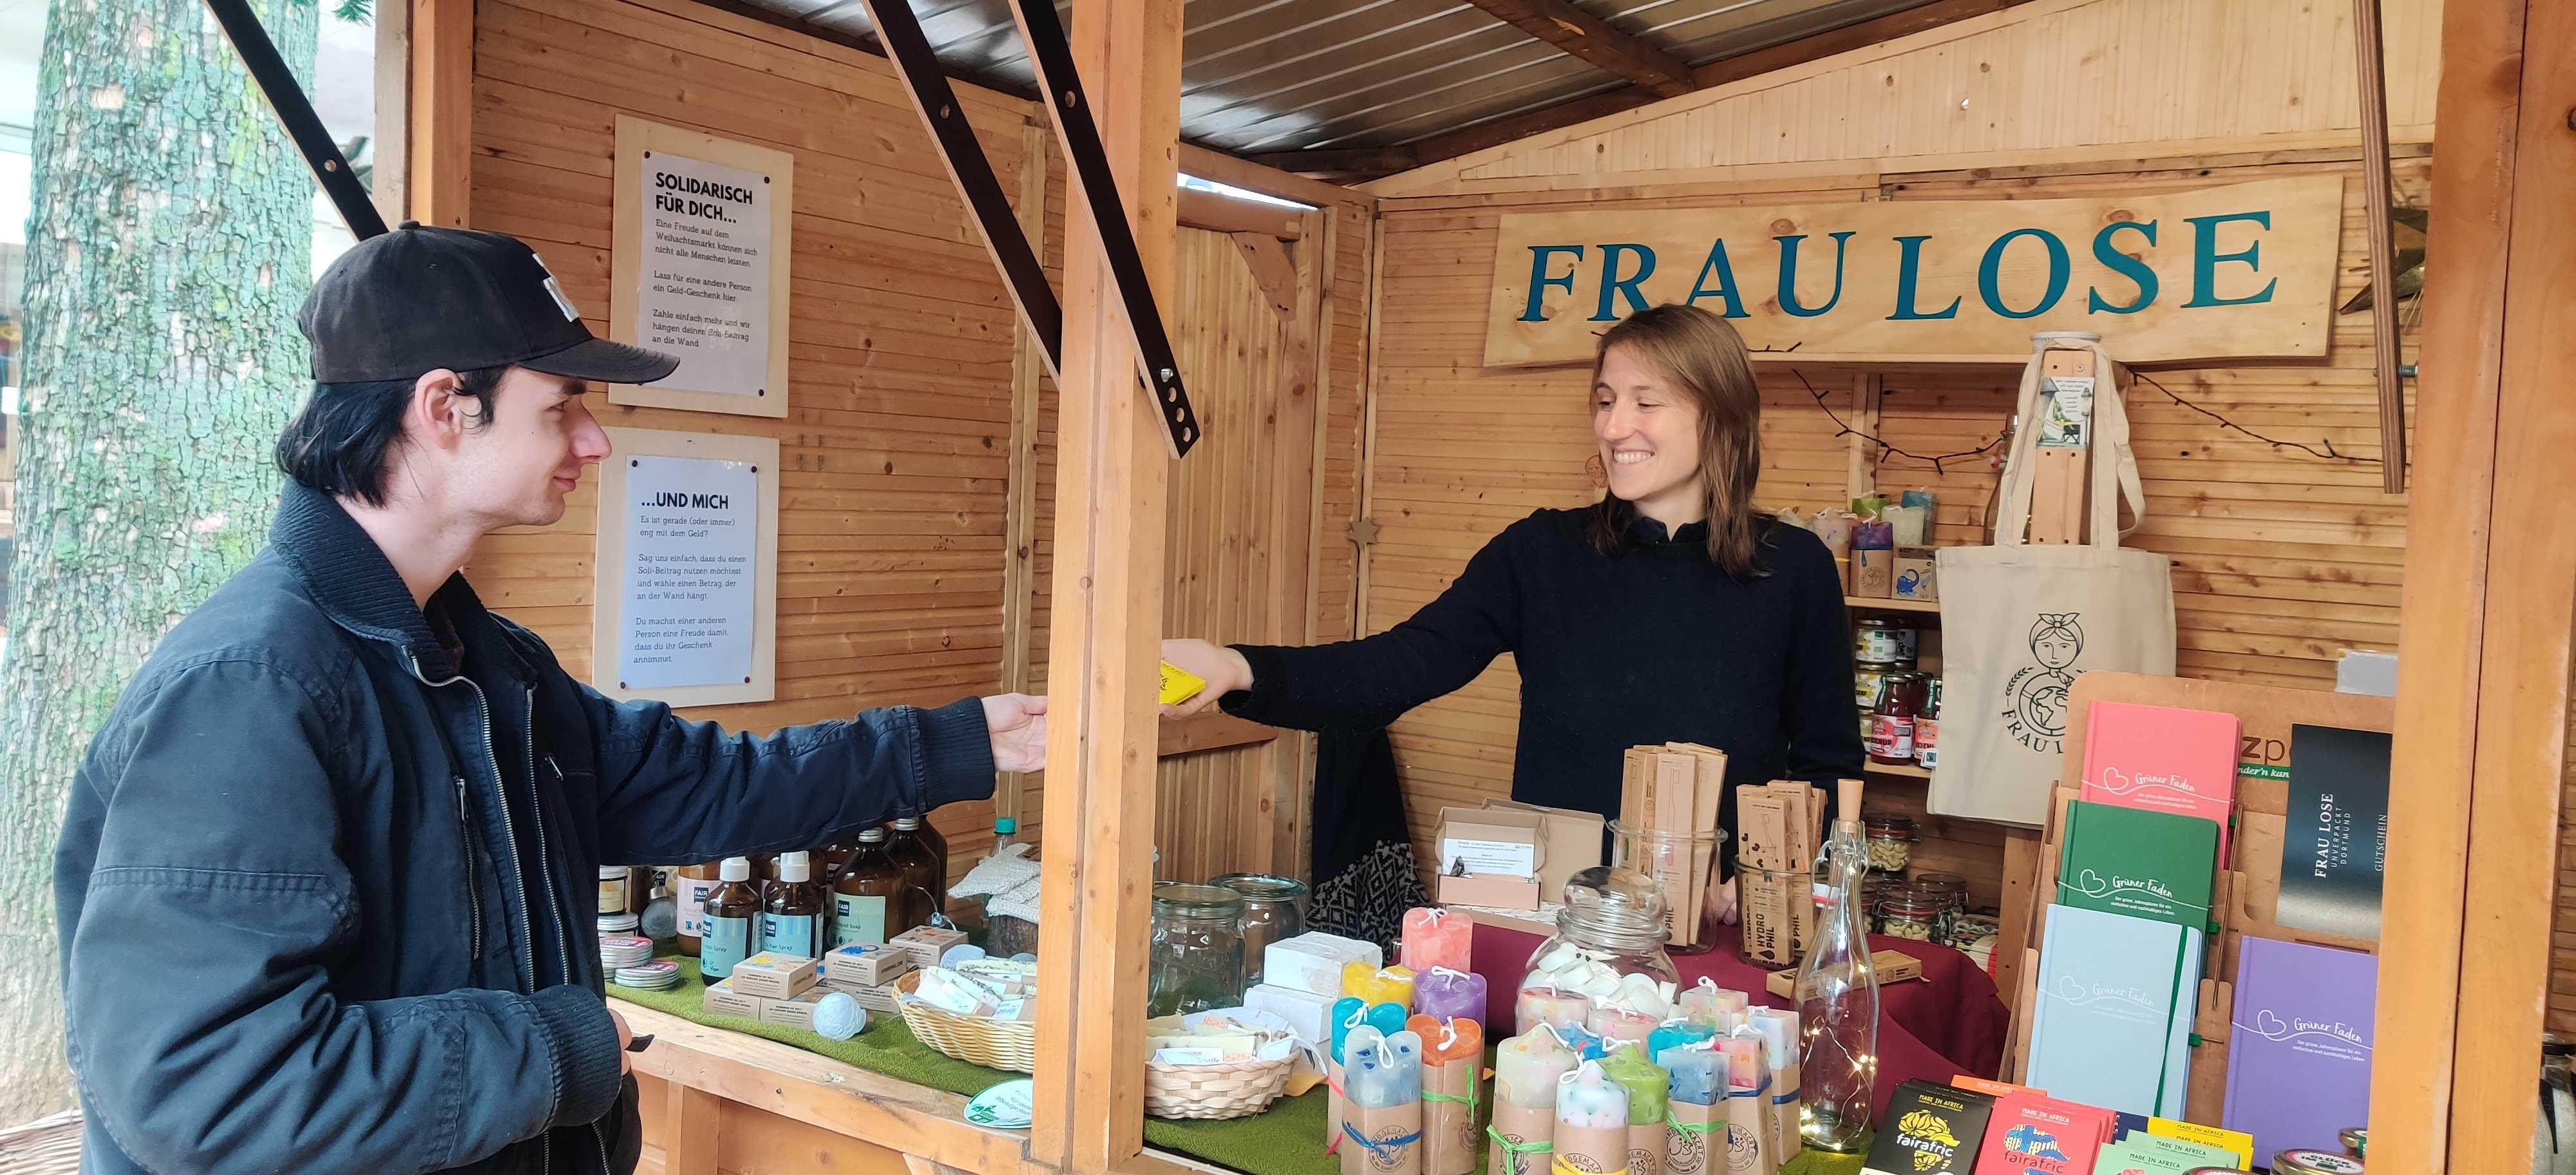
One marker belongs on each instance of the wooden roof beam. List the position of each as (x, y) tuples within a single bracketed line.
[(1596, 42)]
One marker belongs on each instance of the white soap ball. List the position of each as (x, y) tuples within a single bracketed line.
[(839, 1017), (960, 953)]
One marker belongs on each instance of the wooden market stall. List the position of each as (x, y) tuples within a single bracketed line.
[(952, 519)]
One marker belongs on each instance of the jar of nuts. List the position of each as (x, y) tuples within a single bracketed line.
[(1891, 840), (1910, 912)]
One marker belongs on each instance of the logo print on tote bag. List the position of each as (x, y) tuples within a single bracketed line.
[(2037, 719)]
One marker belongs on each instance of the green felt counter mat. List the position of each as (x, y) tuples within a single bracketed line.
[(1287, 1139)]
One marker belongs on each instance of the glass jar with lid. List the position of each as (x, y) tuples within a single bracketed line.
[(1673, 858), (1274, 908), (1910, 912), (1195, 962), (1952, 891), (1605, 968), (1891, 840)]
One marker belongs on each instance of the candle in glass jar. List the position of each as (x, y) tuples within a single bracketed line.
[(1648, 1083), (1446, 994), (1698, 1071), (1585, 1099), (1526, 1068), (1391, 985), (1620, 1024), (1675, 1032), (1547, 1005), (1434, 938)]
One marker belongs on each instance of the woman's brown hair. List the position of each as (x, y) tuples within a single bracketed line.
[(1701, 353)]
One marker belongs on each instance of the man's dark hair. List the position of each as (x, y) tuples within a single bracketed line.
[(340, 442)]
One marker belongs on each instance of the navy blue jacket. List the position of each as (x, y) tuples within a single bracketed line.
[(326, 891)]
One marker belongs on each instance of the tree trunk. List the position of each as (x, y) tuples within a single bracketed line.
[(169, 244)]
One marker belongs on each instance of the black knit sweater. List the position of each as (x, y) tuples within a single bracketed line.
[(1653, 644)]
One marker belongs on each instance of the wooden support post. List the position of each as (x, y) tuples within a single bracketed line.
[(694, 1122), (441, 105), (2369, 70), (1019, 516), (1112, 480), (1860, 476)]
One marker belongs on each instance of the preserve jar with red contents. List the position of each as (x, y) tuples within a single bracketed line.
[(1891, 727)]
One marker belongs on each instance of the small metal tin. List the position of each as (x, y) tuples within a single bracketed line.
[(2308, 1162), (2355, 1140), (1877, 638)]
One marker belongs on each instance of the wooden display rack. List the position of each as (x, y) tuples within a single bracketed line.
[(2247, 887)]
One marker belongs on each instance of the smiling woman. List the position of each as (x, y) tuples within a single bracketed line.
[(1668, 611)]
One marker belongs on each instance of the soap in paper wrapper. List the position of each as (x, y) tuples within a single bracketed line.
[(1394, 1146), (1449, 1134), (1522, 1125), (1646, 1148), (1687, 1149), (1600, 1150)]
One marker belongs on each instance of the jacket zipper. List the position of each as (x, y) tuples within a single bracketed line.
[(473, 884), (518, 872), (537, 812)]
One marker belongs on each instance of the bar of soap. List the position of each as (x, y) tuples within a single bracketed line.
[(1310, 1016), (1312, 962)]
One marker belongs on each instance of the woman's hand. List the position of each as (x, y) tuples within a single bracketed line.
[(1720, 910), (1224, 670)]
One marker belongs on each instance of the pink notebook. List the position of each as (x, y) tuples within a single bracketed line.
[(2164, 759)]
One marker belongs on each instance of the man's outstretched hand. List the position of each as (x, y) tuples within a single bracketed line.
[(1017, 723)]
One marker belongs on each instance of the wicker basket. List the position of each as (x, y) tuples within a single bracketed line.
[(1237, 1090), (976, 1040)]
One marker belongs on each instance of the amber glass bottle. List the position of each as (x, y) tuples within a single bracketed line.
[(925, 875), (731, 921)]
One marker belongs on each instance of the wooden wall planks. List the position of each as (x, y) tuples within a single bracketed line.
[(2281, 559)]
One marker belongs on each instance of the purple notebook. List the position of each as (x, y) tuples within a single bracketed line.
[(2298, 1044)]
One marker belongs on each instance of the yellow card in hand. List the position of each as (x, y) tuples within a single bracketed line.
[(1179, 685)]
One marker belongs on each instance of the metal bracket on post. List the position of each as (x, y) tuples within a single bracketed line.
[(295, 113), (1052, 58)]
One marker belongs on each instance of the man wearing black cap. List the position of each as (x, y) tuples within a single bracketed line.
[(325, 884)]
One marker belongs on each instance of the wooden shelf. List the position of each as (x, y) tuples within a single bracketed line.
[(1873, 604), (1908, 772)]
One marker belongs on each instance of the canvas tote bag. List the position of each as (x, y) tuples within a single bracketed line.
[(2019, 621)]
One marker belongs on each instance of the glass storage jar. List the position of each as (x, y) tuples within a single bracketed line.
[(1681, 863), (1952, 891), (1274, 908), (1605, 969), (1197, 951), (1910, 912), (1891, 840)]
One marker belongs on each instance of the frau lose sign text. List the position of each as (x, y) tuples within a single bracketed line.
[(2231, 272)]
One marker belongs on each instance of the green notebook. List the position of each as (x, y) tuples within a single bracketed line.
[(2137, 862)]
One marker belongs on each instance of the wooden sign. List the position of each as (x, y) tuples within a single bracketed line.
[(2216, 273)]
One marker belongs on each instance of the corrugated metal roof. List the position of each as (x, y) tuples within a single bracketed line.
[(1262, 76)]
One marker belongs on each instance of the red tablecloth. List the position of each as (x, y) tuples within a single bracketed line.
[(1945, 1023)]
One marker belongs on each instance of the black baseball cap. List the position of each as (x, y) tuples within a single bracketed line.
[(418, 299)]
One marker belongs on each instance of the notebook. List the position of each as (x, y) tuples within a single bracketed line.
[(2135, 861), (2298, 1044), (2032, 1132), (2112, 1024), (2162, 758), (2335, 846)]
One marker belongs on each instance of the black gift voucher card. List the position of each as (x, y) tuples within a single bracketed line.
[(2335, 846)]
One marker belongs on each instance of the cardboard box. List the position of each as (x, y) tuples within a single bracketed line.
[(1312, 962), (927, 943), (1893, 966), (1763, 907), (795, 1013), (1489, 858), (1764, 824), (1308, 1015), (864, 965), (883, 998), (722, 998), (1914, 578), (1873, 573), (770, 975), (1572, 843)]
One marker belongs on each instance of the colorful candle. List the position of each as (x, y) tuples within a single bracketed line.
[(1388, 1019), (1434, 937), (1364, 1040), (1349, 1012), (1648, 1084), (1587, 1045), (1391, 985), (1526, 1068), (1707, 1001), (1547, 1005), (1443, 1041), (1675, 1032), (1698, 1071), (1779, 1031), (1743, 1060), (1620, 1024), (1446, 994), (1383, 1071), (1587, 1100)]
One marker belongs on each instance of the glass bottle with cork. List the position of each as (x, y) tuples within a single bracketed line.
[(791, 918), (865, 893), (727, 924), (925, 875)]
